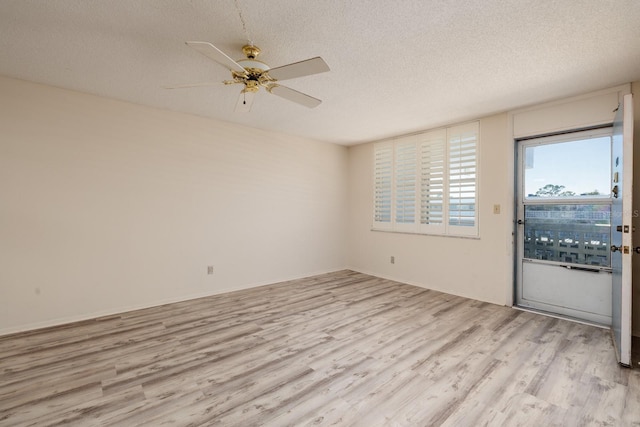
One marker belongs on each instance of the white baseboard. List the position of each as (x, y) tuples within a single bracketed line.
[(420, 285), (118, 310)]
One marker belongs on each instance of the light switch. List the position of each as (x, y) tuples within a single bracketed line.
[(496, 209)]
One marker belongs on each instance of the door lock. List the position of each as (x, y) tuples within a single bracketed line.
[(614, 190), (615, 248), (619, 228), (636, 249)]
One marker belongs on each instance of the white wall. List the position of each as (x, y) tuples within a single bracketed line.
[(482, 268), (474, 268), (107, 206)]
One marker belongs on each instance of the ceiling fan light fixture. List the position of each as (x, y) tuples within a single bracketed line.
[(254, 64)]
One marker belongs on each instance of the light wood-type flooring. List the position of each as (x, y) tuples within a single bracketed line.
[(337, 349)]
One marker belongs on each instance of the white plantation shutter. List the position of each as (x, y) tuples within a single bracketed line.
[(427, 183), (405, 184), (383, 173), (462, 144), (432, 178)]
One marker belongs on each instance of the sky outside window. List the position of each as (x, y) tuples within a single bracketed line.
[(582, 167)]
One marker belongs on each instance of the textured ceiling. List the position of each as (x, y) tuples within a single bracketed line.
[(396, 66)]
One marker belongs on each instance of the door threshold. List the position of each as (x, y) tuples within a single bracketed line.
[(559, 316)]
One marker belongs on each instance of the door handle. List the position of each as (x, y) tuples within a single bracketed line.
[(624, 249), (520, 222), (636, 249), (614, 190)]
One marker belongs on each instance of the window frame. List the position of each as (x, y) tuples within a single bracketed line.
[(423, 173)]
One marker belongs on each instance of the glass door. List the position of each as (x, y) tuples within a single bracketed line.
[(564, 225)]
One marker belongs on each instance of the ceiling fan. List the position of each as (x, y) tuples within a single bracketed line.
[(254, 74)]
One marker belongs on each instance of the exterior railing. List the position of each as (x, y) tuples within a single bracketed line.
[(575, 243)]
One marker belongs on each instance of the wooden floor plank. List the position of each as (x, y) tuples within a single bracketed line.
[(336, 349)]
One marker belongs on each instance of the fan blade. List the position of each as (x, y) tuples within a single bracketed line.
[(299, 69), (212, 52), (191, 85), (294, 95), (245, 101)]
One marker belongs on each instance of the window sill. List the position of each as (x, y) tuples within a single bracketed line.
[(455, 236)]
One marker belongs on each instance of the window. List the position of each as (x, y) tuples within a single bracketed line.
[(565, 197), (427, 183)]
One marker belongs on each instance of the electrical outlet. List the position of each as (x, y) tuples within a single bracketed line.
[(496, 209), (210, 269), (393, 260)]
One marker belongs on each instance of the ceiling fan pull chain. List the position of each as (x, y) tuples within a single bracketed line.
[(244, 24)]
